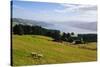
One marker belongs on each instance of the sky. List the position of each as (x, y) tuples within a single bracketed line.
[(59, 14)]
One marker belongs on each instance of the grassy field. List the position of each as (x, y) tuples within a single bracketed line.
[(53, 52)]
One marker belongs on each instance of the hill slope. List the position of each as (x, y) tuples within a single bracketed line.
[(53, 52)]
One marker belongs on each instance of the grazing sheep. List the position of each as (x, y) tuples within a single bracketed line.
[(39, 56), (36, 55)]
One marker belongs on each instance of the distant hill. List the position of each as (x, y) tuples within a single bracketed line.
[(76, 26), (69, 26), (88, 26), (30, 22)]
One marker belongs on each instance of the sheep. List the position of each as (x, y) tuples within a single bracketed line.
[(36, 55), (40, 56)]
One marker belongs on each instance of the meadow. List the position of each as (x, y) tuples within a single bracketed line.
[(53, 52)]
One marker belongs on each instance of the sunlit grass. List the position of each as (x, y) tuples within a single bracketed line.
[(53, 52)]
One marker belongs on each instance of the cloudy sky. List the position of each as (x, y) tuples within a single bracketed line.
[(57, 13)]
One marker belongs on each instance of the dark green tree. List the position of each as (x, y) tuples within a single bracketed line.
[(64, 36), (18, 29)]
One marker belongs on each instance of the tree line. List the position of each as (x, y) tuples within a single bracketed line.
[(55, 34), (89, 37), (35, 30)]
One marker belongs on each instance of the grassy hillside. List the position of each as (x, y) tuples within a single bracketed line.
[(53, 52)]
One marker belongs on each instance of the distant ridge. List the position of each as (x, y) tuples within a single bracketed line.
[(29, 22)]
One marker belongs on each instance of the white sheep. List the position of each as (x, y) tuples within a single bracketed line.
[(36, 55), (40, 56)]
